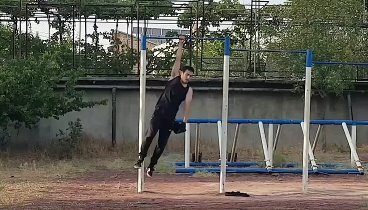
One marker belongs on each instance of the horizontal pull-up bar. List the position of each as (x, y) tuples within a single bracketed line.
[(271, 121), (190, 38), (339, 63), (280, 51)]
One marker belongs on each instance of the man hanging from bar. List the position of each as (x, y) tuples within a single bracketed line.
[(163, 121)]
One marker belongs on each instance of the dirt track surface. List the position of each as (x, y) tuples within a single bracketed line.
[(117, 190)]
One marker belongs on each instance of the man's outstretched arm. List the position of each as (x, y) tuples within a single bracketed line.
[(188, 104), (179, 53)]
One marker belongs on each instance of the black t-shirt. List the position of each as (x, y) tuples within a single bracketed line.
[(174, 94)]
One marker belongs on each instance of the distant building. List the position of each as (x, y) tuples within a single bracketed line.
[(159, 32), (125, 40)]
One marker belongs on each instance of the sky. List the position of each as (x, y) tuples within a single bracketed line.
[(43, 28)]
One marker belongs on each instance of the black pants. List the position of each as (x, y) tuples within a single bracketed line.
[(157, 124)]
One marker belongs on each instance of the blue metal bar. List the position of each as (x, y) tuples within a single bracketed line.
[(267, 171), (324, 165), (144, 43), (279, 51), (280, 122), (309, 62), (339, 63), (227, 46), (217, 164), (252, 164), (162, 37)]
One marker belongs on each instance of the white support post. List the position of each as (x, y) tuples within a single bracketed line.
[(307, 99), (142, 105), (354, 141), (352, 147), (225, 101), (219, 131), (310, 151), (264, 145), (187, 146), (270, 143)]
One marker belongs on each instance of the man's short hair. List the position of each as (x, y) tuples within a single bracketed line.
[(187, 68)]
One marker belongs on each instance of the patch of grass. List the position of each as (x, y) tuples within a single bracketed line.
[(112, 164), (166, 164), (2, 186), (19, 192)]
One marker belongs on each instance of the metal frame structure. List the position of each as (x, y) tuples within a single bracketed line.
[(142, 110)]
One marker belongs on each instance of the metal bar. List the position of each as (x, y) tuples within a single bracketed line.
[(26, 31), (277, 137), (307, 98), (354, 143), (73, 51), (316, 138), (270, 143), (352, 147), (310, 152), (142, 110), (13, 37), (232, 157), (196, 38), (264, 145), (50, 4), (187, 145), (190, 36), (196, 148), (280, 51), (219, 132), (85, 42), (225, 113), (267, 171), (271, 121), (204, 38), (113, 127), (339, 63)]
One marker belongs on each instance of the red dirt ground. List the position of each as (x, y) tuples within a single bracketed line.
[(117, 190)]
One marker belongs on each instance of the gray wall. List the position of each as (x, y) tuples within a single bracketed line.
[(252, 104)]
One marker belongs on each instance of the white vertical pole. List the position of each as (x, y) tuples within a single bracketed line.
[(352, 147), (187, 146), (307, 98), (142, 105), (270, 143), (353, 138), (310, 150), (225, 101), (219, 131), (264, 145)]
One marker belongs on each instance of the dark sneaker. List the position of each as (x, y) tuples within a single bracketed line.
[(150, 171), (138, 164)]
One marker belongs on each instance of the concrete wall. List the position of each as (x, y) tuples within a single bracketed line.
[(245, 103)]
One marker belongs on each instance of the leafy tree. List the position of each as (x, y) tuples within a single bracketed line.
[(332, 29), (213, 14), (28, 86)]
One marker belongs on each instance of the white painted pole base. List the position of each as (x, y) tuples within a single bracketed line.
[(187, 146), (352, 147), (310, 151), (219, 131), (264, 146)]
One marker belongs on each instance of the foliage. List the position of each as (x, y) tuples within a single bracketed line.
[(331, 29), (27, 87), (211, 15), (68, 142)]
